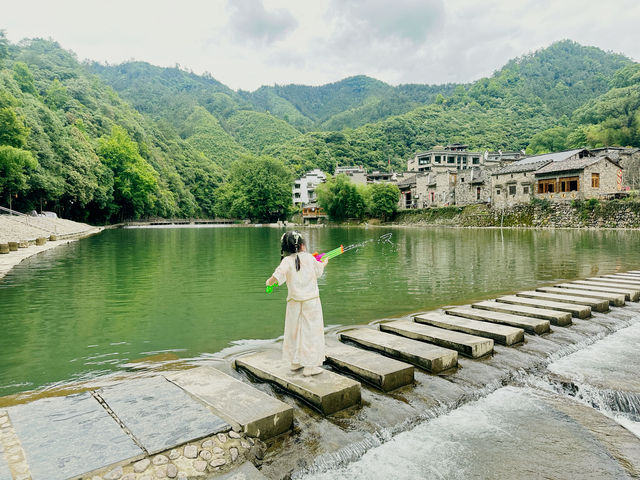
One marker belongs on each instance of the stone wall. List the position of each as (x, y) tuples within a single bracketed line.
[(538, 214)]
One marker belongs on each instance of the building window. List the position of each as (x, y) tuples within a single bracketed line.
[(476, 160), (546, 186), (478, 193), (512, 190), (498, 191), (297, 185), (437, 159), (451, 159), (568, 184), (297, 195), (525, 189), (424, 160), (595, 180)]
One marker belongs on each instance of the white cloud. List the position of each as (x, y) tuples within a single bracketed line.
[(248, 43)]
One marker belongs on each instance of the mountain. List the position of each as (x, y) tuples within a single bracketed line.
[(103, 143)]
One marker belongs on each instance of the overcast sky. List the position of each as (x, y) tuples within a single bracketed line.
[(249, 43)]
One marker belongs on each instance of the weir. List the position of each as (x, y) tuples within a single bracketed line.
[(132, 420)]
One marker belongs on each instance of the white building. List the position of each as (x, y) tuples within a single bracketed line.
[(304, 188)]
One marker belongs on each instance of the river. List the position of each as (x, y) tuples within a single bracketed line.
[(106, 302)]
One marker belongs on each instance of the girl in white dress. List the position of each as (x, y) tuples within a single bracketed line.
[(303, 345)]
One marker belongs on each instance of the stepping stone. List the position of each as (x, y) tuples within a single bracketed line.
[(630, 289), (68, 437), (383, 372), (554, 316), (579, 311), (628, 295), (528, 324), (614, 278), (502, 334), (432, 358), (246, 471), (258, 414), (327, 392), (596, 304), (617, 300), (468, 345), (159, 414)]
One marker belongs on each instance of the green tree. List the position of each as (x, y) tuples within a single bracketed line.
[(12, 130), (24, 78), (56, 95), (384, 200), (134, 181), (15, 166), (257, 188), (4, 46), (341, 199)]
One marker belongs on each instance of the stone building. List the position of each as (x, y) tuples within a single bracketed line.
[(473, 186), (356, 174), (629, 161), (304, 188), (454, 156), (580, 178)]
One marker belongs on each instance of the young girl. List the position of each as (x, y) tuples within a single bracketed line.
[(303, 345)]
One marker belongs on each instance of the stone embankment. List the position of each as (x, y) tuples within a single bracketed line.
[(538, 214), (24, 236)]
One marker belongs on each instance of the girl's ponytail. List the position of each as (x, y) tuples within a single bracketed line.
[(291, 242)]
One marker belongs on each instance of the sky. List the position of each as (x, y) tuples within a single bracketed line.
[(249, 43)]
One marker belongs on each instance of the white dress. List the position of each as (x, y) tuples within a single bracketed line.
[(303, 325)]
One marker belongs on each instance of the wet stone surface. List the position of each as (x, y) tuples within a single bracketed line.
[(146, 403)]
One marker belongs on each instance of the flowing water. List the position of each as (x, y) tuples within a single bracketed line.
[(563, 405)]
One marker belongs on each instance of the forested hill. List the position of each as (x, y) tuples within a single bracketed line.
[(103, 143)]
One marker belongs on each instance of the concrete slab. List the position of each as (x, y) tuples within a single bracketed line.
[(159, 414), (614, 299), (501, 334), (632, 276), (328, 392), (468, 345), (383, 372), (630, 289), (579, 311), (255, 412), (528, 324), (625, 280), (432, 358), (628, 294), (246, 471), (556, 317), (635, 272), (68, 437), (595, 303)]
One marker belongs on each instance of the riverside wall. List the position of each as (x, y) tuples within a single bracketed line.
[(538, 214)]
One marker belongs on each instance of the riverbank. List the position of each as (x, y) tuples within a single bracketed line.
[(538, 214), (33, 235)]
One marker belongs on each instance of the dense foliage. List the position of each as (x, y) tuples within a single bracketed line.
[(343, 200)]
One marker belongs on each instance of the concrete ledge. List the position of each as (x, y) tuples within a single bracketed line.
[(596, 304), (428, 357), (327, 392), (246, 471), (554, 316), (625, 280), (382, 372), (502, 334), (604, 283), (579, 311), (617, 300), (256, 413), (468, 345), (631, 295), (528, 324)]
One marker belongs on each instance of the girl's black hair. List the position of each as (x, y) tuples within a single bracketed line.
[(291, 242)]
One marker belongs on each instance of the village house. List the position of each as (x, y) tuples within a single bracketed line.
[(473, 186), (568, 175), (304, 188), (356, 174), (453, 156)]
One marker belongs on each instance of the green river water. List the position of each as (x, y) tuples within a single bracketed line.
[(99, 304)]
